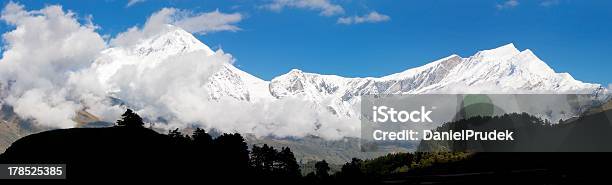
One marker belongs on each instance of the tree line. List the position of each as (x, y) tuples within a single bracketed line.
[(229, 154)]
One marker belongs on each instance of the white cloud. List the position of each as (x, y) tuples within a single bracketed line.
[(43, 52), (372, 17), (200, 23), (508, 4), (287, 117), (132, 2), (50, 70), (325, 7), (203, 23), (175, 89)]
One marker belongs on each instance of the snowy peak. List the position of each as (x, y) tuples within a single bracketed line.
[(309, 85), (509, 55), (148, 52), (503, 69), (500, 70), (172, 41), (504, 52), (231, 82), (531, 62)]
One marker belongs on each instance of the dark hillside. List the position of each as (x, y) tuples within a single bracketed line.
[(114, 152), (134, 152)]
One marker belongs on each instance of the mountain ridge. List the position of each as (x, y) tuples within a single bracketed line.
[(500, 70), (504, 69)]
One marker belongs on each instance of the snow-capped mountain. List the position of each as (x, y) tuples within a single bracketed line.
[(148, 52), (501, 70)]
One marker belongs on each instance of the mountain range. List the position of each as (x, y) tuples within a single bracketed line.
[(500, 70)]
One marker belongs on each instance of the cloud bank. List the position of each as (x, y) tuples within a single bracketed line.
[(42, 55), (199, 23), (50, 69)]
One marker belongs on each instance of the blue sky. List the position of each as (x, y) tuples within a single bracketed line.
[(570, 35)]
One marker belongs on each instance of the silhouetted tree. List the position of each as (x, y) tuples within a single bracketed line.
[(174, 133), (269, 157), (130, 119), (178, 138), (232, 154), (287, 163), (270, 163), (322, 169), (201, 138), (263, 158), (201, 151), (353, 168), (351, 173)]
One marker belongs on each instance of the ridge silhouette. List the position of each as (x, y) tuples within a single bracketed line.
[(130, 151)]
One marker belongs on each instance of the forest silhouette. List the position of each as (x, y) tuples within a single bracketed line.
[(128, 150)]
